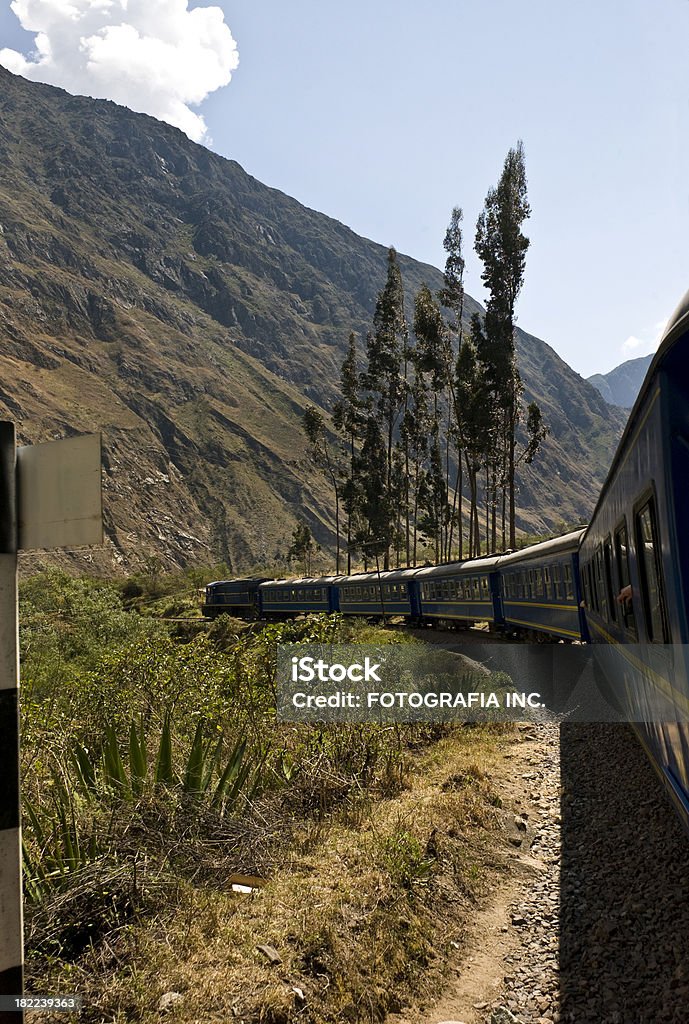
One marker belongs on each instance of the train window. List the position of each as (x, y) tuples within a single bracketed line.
[(484, 587), (555, 573), (569, 586), (588, 587), (607, 564), (595, 604), (592, 586), (546, 581), (624, 598), (651, 574), (600, 583)]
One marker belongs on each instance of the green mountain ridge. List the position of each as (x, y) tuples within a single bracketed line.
[(155, 291)]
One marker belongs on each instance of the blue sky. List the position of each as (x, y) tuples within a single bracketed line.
[(384, 115)]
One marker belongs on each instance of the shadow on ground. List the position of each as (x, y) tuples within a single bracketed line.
[(624, 922)]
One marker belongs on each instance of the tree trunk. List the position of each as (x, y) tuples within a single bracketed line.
[(513, 532), (487, 509), (337, 529)]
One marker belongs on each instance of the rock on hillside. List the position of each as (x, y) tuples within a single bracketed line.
[(155, 291), (621, 385)]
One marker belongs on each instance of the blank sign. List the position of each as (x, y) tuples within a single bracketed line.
[(59, 493)]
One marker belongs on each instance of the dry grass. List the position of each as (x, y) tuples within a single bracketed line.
[(361, 907)]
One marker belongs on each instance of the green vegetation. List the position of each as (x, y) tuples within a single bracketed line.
[(155, 773)]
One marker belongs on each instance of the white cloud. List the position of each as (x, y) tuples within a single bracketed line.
[(649, 343), (154, 56), (631, 344)]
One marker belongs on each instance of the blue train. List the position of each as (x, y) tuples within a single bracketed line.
[(532, 593), (621, 584)]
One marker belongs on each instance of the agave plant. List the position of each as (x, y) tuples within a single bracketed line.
[(58, 843)]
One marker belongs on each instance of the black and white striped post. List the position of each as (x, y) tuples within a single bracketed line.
[(50, 497), (11, 923)]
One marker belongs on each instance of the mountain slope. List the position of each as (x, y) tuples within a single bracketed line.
[(621, 385), (154, 290)]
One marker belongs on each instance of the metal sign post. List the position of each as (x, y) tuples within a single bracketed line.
[(50, 496), (11, 922)]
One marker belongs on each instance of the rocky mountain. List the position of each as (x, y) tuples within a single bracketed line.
[(621, 385), (154, 291)]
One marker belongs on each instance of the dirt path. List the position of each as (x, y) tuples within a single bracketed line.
[(528, 782)]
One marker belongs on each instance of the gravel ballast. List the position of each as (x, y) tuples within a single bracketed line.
[(603, 929)]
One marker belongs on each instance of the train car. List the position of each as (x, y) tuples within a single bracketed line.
[(373, 594), (238, 597), (461, 592), (540, 592), (634, 562), (284, 598)]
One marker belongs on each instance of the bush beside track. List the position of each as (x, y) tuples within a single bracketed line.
[(171, 776)]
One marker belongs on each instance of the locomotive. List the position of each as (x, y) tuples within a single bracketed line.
[(621, 583)]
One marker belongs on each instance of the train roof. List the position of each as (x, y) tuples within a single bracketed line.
[(677, 327), (385, 574), (303, 581), (567, 542), (473, 565), (240, 579)]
